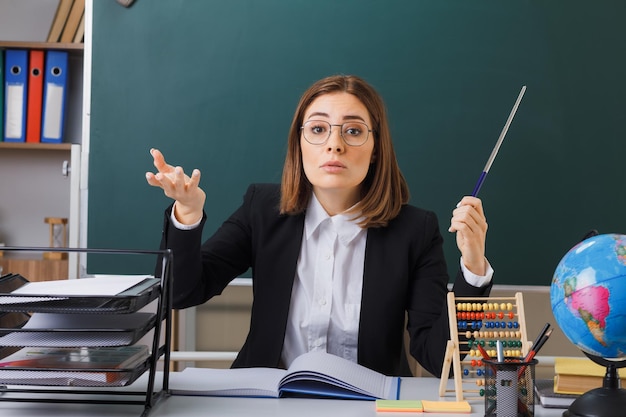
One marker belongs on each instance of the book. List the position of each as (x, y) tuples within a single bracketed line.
[(80, 32), (63, 11), (544, 388), (579, 375), (73, 21), (314, 374), (423, 406), (104, 364)]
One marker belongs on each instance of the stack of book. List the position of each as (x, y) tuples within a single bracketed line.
[(550, 399), (579, 375), (572, 377), (68, 24)]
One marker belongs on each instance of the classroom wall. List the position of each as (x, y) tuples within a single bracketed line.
[(26, 20)]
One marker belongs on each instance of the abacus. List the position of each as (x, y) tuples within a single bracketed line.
[(485, 322)]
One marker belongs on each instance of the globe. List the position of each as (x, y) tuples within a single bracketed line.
[(588, 298), (588, 295)]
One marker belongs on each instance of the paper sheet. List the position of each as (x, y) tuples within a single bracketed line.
[(105, 286)]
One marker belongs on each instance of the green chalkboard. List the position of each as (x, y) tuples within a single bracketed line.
[(214, 83)]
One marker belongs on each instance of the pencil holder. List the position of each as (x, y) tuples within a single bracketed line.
[(509, 388)]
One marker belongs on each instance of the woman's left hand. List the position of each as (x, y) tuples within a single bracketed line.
[(470, 224)]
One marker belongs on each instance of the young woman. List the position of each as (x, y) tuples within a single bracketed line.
[(338, 256)]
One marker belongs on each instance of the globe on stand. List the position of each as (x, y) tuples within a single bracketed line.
[(588, 298)]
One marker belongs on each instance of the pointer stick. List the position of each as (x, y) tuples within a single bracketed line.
[(494, 152)]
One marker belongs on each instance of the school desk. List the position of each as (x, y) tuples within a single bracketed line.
[(186, 406)]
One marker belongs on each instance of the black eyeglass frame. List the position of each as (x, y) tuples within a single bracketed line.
[(368, 130)]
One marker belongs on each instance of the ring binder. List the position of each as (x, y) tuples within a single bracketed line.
[(15, 90)]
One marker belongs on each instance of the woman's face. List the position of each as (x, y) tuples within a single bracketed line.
[(335, 166)]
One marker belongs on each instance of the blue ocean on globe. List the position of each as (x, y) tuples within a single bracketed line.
[(588, 295)]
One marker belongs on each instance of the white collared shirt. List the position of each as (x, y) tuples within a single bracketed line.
[(326, 294)]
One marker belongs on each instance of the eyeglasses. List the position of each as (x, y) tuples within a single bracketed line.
[(317, 132)]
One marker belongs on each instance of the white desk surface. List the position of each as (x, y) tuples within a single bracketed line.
[(187, 406)]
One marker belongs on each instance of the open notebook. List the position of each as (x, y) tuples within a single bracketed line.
[(314, 374)]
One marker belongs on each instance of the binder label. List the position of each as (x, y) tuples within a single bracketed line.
[(54, 105), (15, 112)]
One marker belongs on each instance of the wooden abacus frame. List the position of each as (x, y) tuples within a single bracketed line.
[(453, 349)]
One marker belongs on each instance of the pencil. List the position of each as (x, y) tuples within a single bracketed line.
[(483, 352), (533, 351), (540, 335)]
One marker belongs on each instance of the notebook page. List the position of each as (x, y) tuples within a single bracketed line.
[(84, 286), (343, 373), (261, 382)]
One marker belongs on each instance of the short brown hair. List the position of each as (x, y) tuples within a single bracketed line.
[(384, 189)]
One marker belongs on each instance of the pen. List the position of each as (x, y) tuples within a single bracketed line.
[(540, 344), (494, 152), (534, 350), (500, 351), (539, 336)]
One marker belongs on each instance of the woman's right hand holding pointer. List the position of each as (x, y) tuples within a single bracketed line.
[(177, 185)]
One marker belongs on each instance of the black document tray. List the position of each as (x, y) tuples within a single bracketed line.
[(73, 330), (58, 383), (127, 301), (73, 378)]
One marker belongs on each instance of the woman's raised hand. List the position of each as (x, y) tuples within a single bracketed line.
[(178, 186)]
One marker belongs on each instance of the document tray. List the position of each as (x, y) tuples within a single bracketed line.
[(73, 378), (127, 301), (64, 339), (77, 330)]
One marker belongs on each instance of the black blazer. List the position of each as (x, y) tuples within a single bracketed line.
[(405, 273)]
